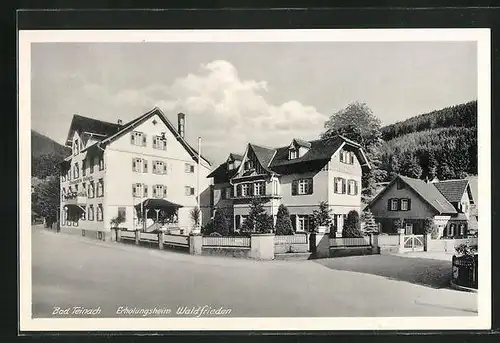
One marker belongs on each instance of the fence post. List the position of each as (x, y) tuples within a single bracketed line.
[(401, 245), (322, 241), (160, 239), (262, 246), (195, 243), (374, 243), (118, 234), (137, 236), (426, 241)]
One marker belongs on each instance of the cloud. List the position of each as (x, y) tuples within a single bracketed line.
[(224, 109)]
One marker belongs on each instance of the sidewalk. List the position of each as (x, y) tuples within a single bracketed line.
[(434, 255)]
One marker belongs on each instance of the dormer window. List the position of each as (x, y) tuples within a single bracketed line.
[(230, 165), (293, 154), (248, 165), (76, 147), (346, 157)]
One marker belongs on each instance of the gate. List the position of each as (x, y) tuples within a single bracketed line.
[(413, 243)]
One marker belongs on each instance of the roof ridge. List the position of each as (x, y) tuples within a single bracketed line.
[(91, 118), (451, 180)]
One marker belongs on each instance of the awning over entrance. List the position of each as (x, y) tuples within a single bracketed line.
[(169, 208)]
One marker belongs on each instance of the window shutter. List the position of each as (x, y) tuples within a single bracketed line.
[(409, 204), (145, 165), (133, 163), (164, 191), (164, 143), (154, 143), (355, 187), (389, 204), (154, 190), (133, 190), (343, 186), (311, 186), (341, 156), (238, 190), (164, 168), (399, 204), (131, 138), (144, 140), (251, 189), (335, 185), (145, 187), (154, 166), (293, 219), (237, 219), (294, 187)]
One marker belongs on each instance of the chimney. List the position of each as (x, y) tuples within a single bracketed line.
[(120, 122), (181, 121)]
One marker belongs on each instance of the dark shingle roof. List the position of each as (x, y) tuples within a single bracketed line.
[(302, 143), (86, 124), (430, 194), (264, 155), (236, 157), (221, 174), (453, 190)]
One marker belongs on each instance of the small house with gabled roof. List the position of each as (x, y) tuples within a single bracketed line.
[(447, 202)]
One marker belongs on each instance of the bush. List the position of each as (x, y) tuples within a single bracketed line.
[(258, 221), (465, 249), (397, 225), (352, 226), (322, 216), (370, 224), (215, 234), (208, 228), (283, 221), (221, 222)]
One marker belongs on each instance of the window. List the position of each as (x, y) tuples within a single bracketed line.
[(92, 164), (352, 187), (90, 215), (63, 177), (351, 157), (303, 222), (326, 167), (393, 204), (337, 185), (159, 191), (248, 165), (245, 189), (159, 143), (259, 188), (84, 167), (100, 188), (139, 165), (63, 194), (159, 167), (189, 190), (404, 204), (293, 154), (138, 190), (84, 188), (276, 187), (408, 229), (237, 222), (91, 189), (69, 174), (101, 163), (138, 138), (302, 186), (76, 171), (99, 213), (230, 165), (122, 212), (346, 157), (189, 168)]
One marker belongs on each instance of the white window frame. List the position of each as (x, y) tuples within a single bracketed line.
[(100, 188), (293, 154), (276, 187), (139, 165), (351, 187), (188, 190), (137, 138), (394, 202), (139, 190), (303, 223), (409, 228), (76, 170), (159, 190), (245, 189), (161, 167), (76, 147), (188, 168), (404, 204), (159, 143), (230, 166), (303, 186), (100, 213), (259, 188)]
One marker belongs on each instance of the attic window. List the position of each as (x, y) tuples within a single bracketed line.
[(293, 154), (230, 165), (400, 185), (248, 165)]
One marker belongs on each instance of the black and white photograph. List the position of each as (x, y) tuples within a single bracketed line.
[(293, 179)]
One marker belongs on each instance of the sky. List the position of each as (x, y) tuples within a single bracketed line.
[(236, 93)]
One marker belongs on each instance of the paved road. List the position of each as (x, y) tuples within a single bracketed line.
[(73, 271)]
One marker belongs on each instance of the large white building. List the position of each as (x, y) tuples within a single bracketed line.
[(114, 168)]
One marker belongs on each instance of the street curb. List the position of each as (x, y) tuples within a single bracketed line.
[(462, 288)]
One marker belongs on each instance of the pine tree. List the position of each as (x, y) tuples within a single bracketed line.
[(283, 221), (352, 226), (221, 222), (369, 220), (258, 220), (322, 216)]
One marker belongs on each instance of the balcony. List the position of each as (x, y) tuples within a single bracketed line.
[(75, 198)]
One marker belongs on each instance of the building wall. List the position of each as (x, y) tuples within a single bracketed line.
[(304, 204), (119, 155)]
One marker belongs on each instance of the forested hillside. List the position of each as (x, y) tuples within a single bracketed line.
[(45, 155), (463, 115)]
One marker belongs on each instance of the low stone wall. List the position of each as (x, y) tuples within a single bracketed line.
[(239, 252), (350, 251), (448, 245), (291, 248), (385, 250)]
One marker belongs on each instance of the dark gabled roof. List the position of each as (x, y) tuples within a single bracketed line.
[(222, 174), (91, 125), (430, 194), (426, 191), (453, 190), (264, 155)]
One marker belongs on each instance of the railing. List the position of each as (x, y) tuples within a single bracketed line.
[(350, 242), (388, 240), (176, 240), (290, 239), (226, 241), (127, 234), (149, 237)]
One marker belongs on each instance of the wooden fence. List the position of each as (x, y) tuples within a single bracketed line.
[(350, 242), (388, 240), (226, 242), (177, 240), (127, 234), (290, 239)]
